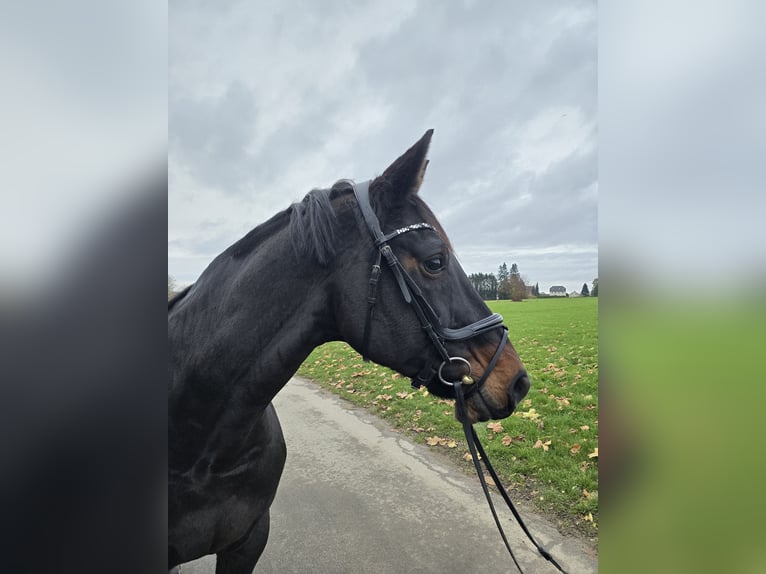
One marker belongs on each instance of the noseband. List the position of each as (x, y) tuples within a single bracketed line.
[(429, 320)]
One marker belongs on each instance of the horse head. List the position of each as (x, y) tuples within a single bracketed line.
[(402, 299)]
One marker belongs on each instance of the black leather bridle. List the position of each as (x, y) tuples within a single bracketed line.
[(439, 336), (429, 320)]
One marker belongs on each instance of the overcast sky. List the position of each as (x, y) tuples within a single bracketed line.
[(268, 100)]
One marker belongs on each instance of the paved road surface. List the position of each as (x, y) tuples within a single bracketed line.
[(358, 498)]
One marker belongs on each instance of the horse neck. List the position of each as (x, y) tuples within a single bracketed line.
[(249, 323)]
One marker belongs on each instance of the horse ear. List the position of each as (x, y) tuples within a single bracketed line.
[(406, 174)]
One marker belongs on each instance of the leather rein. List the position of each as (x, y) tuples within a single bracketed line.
[(439, 336)]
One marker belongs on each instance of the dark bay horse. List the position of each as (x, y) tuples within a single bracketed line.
[(307, 276)]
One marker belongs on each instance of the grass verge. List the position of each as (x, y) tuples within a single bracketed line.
[(547, 451)]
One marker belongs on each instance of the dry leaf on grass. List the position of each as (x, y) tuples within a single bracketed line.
[(543, 445), (531, 414), (495, 427)]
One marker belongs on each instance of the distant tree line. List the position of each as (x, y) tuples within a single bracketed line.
[(509, 284), (485, 284)]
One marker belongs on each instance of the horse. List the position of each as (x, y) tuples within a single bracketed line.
[(321, 270)]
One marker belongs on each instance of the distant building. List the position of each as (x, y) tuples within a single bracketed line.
[(558, 291)]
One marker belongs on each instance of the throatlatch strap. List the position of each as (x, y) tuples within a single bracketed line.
[(372, 297)]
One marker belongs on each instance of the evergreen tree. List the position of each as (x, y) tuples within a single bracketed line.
[(475, 280), (517, 287), (502, 273), (490, 286), (503, 282), (594, 291), (585, 292), (485, 284)]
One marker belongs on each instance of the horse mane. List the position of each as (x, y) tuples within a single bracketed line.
[(310, 226), (178, 296)]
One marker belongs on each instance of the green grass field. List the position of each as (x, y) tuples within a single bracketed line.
[(547, 451)]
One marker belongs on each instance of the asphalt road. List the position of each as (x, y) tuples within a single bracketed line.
[(358, 498)]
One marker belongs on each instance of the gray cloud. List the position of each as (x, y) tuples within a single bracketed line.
[(211, 136), (269, 101)]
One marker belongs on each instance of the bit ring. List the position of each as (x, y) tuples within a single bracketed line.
[(451, 359)]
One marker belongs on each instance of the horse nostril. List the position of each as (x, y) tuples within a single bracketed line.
[(519, 387)]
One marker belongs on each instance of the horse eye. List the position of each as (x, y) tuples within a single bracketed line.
[(434, 265)]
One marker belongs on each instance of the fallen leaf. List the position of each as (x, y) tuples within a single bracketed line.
[(584, 427), (507, 440), (489, 480), (588, 517), (432, 440), (387, 387), (531, 414), (451, 444), (495, 427), (575, 448), (403, 395), (543, 445), (594, 454)]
